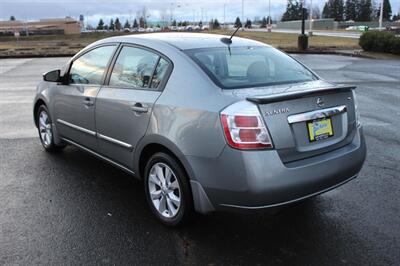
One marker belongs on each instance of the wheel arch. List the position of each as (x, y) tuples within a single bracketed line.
[(36, 106), (155, 143), (152, 144)]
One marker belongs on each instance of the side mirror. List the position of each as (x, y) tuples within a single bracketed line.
[(52, 76)]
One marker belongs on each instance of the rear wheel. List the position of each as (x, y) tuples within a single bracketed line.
[(45, 128), (167, 190)]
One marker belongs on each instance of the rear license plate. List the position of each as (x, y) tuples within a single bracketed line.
[(319, 129)]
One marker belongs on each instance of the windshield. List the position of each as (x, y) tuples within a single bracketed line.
[(244, 67)]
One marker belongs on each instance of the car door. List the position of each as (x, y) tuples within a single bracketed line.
[(124, 105), (74, 103)]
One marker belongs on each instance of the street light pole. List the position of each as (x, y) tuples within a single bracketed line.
[(224, 16), (303, 19), (242, 14), (381, 16), (269, 16), (302, 42), (310, 31)]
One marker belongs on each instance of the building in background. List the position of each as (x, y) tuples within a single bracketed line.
[(41, 27)]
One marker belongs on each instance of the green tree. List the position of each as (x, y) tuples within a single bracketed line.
[(201, 24), (135, 24), (12, 18), (127, 25), (112, 25), (339, 10), (396, 17), (216, 24), (350, 12), (263, 23), (327, 11), (142, 22), (173, 23), (238, 23), (100, 26), (364, 10), (118, 25), (387, 10), (248, 24), (293, 11)]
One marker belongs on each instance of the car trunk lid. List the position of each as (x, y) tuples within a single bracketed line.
[(307, 119)]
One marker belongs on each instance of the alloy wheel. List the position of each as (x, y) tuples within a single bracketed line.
[(164, 189), (46, 133)]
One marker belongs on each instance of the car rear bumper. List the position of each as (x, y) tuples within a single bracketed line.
[(259, 179)]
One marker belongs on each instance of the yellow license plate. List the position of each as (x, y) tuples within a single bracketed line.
[(319, 129)]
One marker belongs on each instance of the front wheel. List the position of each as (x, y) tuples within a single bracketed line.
[(167, 190), (45, 127)]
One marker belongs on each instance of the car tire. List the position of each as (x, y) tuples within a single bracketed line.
[(167, 190), (45, 129)]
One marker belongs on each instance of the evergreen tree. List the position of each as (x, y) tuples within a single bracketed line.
[(142, 22), (396, 17), (216, 24), (263, 23), (350, 10), (100, 26), (364, 10), (327, 11), (118, 25), (12, 18), (387, 10), (173, 23), (293, 11), (112, 25), (339, 9), (201, 24), (135, 24), (238, 23), (248, 24), (127, 25)]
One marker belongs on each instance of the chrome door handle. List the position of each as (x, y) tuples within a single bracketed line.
[(139, 108), (88, 102)]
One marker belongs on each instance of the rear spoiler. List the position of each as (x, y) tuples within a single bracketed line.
[(264, 99)]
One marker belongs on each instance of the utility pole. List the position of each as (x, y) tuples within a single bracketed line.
[(381, 16), (224, 16), (310, 31), (242, 14), (269, 27)]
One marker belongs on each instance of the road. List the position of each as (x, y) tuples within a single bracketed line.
[(71, 208), (330, 33)]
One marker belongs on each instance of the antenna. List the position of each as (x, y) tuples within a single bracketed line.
[(228, 41)]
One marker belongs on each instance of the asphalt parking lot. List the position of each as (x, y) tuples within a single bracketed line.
[(71, 208)]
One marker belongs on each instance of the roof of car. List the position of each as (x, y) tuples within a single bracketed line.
[(184, 40)]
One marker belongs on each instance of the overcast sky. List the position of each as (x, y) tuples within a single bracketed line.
[(124, 9)]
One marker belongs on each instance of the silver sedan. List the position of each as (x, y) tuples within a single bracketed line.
[(207, 122)]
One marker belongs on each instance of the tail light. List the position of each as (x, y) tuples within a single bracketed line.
[(244, 128), (356, 108)]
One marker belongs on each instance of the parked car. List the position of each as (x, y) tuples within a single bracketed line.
[(207, 125)]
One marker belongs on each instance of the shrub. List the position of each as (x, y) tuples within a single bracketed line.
[(380, 41)]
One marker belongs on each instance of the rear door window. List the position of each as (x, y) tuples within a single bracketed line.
[(134, 68)]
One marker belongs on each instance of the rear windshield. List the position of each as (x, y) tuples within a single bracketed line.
[(244, 67)]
